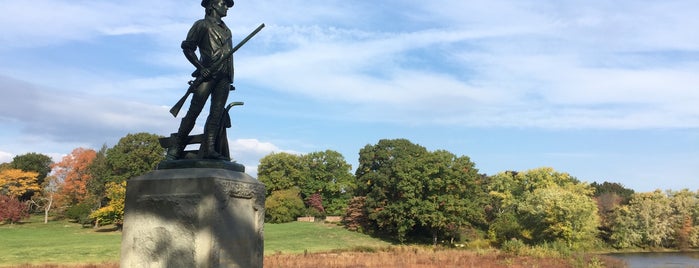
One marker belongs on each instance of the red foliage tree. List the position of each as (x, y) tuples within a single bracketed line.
[(315, 201), (12, 210)]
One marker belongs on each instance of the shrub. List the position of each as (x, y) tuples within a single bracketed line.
[(12, 210), (514, 246), (80, 213), (283, 206)]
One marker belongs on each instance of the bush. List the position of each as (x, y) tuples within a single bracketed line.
[(514, 246), (283, 206), (12, 210), (80, 213)]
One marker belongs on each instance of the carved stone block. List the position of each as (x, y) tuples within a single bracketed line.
[(194, 217)]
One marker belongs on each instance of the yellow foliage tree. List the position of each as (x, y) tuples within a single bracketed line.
[(113, 212), (15, 182)]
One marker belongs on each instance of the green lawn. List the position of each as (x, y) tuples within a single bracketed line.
[(56, 242), (62, 242), (297, 237)]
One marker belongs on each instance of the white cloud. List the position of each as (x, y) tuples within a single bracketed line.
[(249, 152), (6, 157)]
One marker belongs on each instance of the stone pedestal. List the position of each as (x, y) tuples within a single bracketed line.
[(193, 217)]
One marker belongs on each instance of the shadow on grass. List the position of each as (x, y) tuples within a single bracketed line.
[(108, 229)]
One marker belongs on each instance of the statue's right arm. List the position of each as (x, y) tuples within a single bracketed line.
[(189, 46)]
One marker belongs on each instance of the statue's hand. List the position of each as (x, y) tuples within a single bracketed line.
[(205, 73)]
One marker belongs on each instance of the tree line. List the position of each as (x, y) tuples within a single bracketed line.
[(400, 191)]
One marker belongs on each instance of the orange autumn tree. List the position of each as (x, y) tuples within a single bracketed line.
[(73, 174)]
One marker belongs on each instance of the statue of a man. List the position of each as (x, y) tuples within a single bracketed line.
[(213, 39)]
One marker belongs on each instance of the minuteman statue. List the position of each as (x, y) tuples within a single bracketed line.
[(212, 38)]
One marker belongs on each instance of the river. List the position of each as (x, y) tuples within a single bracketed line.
[(660, 259)]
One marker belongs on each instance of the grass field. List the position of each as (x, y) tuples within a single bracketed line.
[(299, 237), (56, 242), (61, 244), (65, 243)]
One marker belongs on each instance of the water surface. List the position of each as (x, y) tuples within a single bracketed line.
[(660, 259)]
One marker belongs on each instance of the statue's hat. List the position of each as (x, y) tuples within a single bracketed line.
[(205, 3)]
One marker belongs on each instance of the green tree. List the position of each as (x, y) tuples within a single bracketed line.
[(36, 162), (453, 196), (685, 207), (556, 213), (101, 173), (329, 176), (541, 205), (283, 206), (391, 177), (281, 171), (133, 155), (647, 221), (408, 190)]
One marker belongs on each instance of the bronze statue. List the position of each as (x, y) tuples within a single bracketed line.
[(214, 77)]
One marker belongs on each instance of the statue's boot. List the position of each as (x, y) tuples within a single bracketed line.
[(175, 151), (208, 146)]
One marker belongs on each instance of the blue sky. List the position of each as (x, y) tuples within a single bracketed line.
[(603, 90)]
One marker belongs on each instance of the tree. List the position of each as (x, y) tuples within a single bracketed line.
[(39, 163), (283, 206), (134, 155), (613, 188), (100, 172), (49, 192), (114, 211), (281, 171), (453, 196), (647, 221), (685, 206), (73, 175), (390, 175), (408, 190), (17, 183), (329, 176), (12, 210), (557, 213), (545, 205)]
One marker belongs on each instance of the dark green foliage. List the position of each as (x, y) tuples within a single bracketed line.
[(613, 187), (283, 206), (80, 212), (505, 227), (406, 187), (35, 162), (326, 174), (100, 172), (329, 176), (12, 210), (134, 155), (280, 171)]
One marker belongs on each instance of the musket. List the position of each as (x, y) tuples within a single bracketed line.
[(194, 84)]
